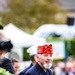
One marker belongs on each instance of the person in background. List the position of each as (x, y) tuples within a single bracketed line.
[(44, 61), (16, 65), (73, 71), (5, 46), (69, 68), (33, 59), (53, 68), (63, 68)]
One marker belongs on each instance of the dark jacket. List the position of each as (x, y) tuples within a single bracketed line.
[(7, 64), (37, 70), (24, 71)]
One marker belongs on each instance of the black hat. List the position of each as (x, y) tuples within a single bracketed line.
[(1, 27), (6, 45)]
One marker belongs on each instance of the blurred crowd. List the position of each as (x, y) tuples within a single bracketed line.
[(64, 67)]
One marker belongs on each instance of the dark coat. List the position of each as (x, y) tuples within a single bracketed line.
[(37, 70), (24, 71), (7, 64)]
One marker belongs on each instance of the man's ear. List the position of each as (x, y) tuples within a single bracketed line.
[(36, 57)]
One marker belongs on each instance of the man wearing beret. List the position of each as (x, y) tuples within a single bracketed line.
[(44, 61)]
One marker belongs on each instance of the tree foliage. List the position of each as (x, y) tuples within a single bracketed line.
[(30, 14)]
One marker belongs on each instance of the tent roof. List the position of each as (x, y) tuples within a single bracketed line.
[(19, 37), (64, 30)]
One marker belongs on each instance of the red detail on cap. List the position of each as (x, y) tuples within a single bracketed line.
[(45, 49)]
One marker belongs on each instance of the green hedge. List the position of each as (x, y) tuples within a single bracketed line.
[(25, 54), (72, 48)]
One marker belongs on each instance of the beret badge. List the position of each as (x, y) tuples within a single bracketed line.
[(45, 49)]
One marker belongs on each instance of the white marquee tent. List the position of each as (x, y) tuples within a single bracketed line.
[(64, 30), (20, 39)]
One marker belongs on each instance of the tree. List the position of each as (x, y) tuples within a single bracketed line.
[(30, 14)]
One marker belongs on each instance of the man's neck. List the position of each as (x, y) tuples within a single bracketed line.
[(33, 62), (42, 67)]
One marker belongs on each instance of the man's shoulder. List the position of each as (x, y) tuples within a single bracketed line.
[(32, 71), (6, 60), (24, 71)]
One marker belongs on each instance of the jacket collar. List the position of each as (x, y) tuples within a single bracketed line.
[(41, 71)]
